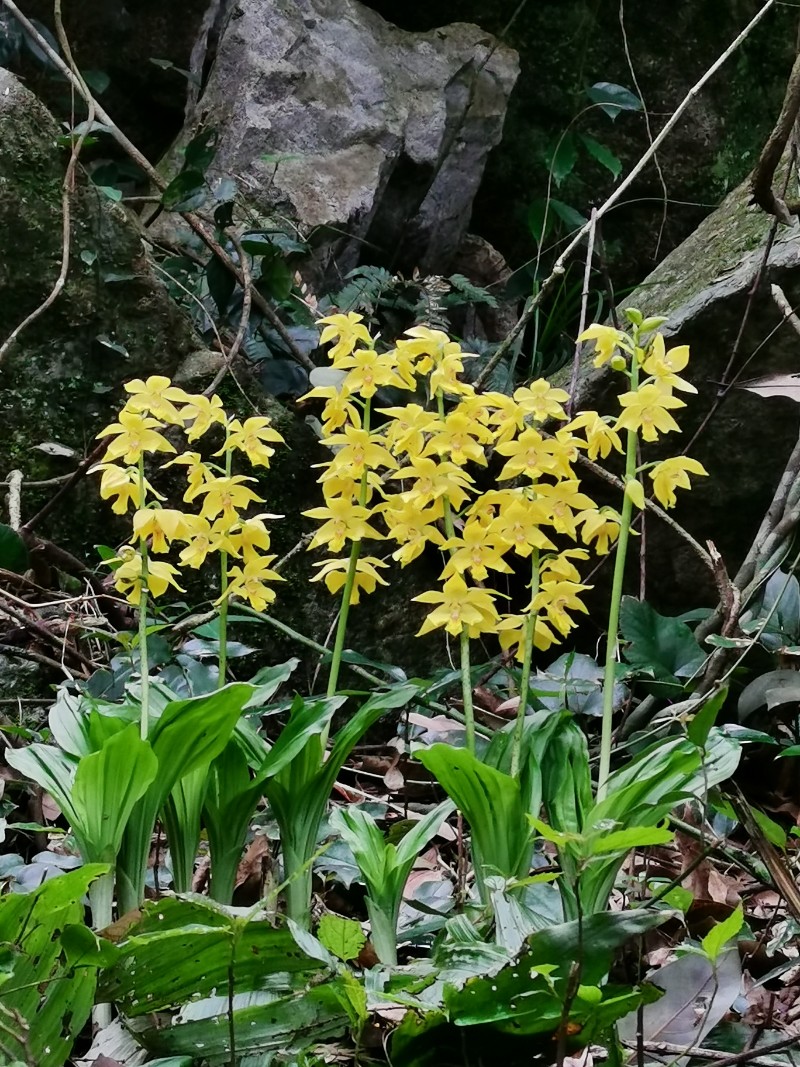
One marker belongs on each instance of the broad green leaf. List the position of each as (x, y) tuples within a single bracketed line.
[(343, 937), (613, 98), (502, 839), (700, 726), (268, 681), (385, 867), (529, 993), (107, 786), (299, 793), (662, 647), (50, 768), (772, 689), (603, 154), (564, 157), (775, 612), (188, 734), (183, 948), (721, 933), (182, 819), (625, 840), (13, 553), (46, 1002)]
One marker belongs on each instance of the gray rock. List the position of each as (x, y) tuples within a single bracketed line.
[(355, 130)]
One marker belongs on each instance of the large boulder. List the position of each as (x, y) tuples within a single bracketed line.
[(60, 382), (362, 134), (62, 379)]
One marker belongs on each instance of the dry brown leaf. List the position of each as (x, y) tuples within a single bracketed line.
[(252, 862), (50, 810)]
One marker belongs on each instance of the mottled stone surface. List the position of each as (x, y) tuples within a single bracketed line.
[(371, 134)]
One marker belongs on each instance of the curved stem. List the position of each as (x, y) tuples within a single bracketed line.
[(527, 656), (352, 567), (144, 666), (223, 581), (466, 673), (466, 692), (613, 611)]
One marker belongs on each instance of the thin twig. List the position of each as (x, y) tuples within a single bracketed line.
[(587, 275), (39, 628)]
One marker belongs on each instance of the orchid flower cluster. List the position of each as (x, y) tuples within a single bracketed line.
[(408, 481), (647, 406), (217, 523)]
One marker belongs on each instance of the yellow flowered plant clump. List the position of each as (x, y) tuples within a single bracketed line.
[(216, 522), (405, 474), (408, 482)]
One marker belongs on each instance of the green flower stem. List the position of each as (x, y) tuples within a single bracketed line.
[(144, 666), (223, 582), (344, 610), (466, 673), (613, 612), (309, 642), (101, 904), (527, 656), (466, 691)]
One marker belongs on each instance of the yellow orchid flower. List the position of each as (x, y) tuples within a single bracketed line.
[(477, 548), (347, 330), (334, 573), (517, 525), (357, 449), (460, 438), (511, 634), (124, 484), (411, 527), (645, 409), (251, 437), (156, 396), (541, 401), (162, 525), (344, 521), (201, 413), (664, 366), (407, 429), (555, 598), (249, 582), (601, 527), (128, 577), (225, 496), (135, 434), (204, 538), (339, 408), (460, 606), (606, 341), (367, 372), (432, 480), (600, 437), (672, 474)]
